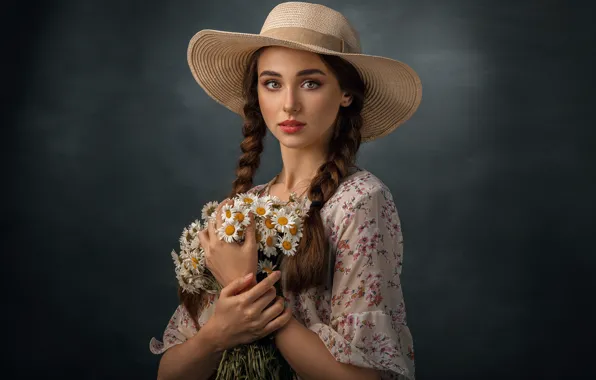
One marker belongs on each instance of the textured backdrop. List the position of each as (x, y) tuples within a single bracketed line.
[(111, 148)]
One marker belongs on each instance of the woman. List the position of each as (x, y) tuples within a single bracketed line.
[(304, 79)]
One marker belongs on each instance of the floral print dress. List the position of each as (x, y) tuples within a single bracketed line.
[(360, 313)]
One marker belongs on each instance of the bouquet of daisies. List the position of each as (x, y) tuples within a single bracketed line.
[(278, 232)]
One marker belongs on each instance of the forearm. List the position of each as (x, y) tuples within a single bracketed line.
[(195, 359), (309, 357)]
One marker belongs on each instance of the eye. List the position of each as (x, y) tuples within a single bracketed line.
[(311, 84), (267, 84)]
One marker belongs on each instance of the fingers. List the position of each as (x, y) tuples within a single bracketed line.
[(204, 238), (278, 322), (260, 304), (251, 295), (272, 311), (236, 286)]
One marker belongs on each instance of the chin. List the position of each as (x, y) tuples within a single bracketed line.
[(298, 140), (293, 143)]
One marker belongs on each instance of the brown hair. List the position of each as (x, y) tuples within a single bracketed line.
[(309, 267)]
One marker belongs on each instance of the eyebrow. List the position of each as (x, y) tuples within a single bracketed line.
[(299, 73)]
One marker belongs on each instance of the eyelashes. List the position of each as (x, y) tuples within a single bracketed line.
[(309, 84)]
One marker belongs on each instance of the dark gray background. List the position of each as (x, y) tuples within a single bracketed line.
[(111, 148)]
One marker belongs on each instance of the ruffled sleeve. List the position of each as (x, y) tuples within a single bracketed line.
[(368, 321), (179, 328)]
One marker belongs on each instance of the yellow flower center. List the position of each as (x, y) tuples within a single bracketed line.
[(270, 241), (267, 270), (239, 217), (230, 230), (258, 234), (240, 233), (282, 220), (287, 245), (294, 230), (269, 223), (194, 262), (261, 211), (248, 200), (228, 213)]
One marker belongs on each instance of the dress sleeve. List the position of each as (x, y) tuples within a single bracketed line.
[(180, 328), (368, 321)]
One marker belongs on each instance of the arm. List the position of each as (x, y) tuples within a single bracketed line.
[(366, 334), (310, 358), (195, 359)]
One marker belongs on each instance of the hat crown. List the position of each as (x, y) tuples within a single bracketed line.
[(315, 17)]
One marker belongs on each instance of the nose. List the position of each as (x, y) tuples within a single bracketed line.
[(291, 103)]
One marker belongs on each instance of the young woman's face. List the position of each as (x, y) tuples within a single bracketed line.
[(296, 85)]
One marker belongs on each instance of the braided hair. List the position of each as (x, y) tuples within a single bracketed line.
[(309, 267)]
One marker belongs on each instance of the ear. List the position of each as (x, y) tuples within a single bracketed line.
[(346, 99)]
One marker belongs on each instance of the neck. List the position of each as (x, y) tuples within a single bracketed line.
[(299, 168)]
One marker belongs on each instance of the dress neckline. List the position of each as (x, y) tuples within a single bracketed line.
[(266, 191)]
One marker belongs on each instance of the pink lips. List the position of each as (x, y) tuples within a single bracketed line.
[(291, 126), (290, 129)]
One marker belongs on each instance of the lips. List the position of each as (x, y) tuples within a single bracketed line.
[(291, 123), (291, 126)]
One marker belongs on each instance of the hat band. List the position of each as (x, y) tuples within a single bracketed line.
[(307, 36)]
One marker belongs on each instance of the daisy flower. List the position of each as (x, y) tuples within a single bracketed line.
[(295, 231), (283, 220), (262, 208), (241, 216), (195, 226), (269, 246), (268, 226), (272, 199), (245, 199), (195, 243), (227, 212), (266, 266), (185, 237), (287, 245), (262, 233), (228, 232), (209, 210)]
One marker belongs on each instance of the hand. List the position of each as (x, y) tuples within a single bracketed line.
[(241, 318), (227, 261)]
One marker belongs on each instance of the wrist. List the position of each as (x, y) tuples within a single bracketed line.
[(288, 326), (210, 337)]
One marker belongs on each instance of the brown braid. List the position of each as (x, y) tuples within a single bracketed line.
[(308, 268), (254, 131)]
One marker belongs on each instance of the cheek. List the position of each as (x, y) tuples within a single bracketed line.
[(326, 108), (267, 106)]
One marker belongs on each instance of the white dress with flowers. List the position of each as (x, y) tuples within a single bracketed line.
[(360, 314)]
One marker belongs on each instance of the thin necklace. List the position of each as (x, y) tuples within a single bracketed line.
[(296, 196)]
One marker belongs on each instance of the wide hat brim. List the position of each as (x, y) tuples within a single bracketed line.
[(218, 59)]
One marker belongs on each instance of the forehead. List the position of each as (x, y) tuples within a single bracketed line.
[(282, 59)]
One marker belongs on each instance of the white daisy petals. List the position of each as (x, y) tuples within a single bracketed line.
[(278, 230)]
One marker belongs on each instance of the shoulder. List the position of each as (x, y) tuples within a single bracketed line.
[(359, 184), (362, 186), (257, 189), (365, 179)]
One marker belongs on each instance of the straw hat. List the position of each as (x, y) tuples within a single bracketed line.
[(218, 59)]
